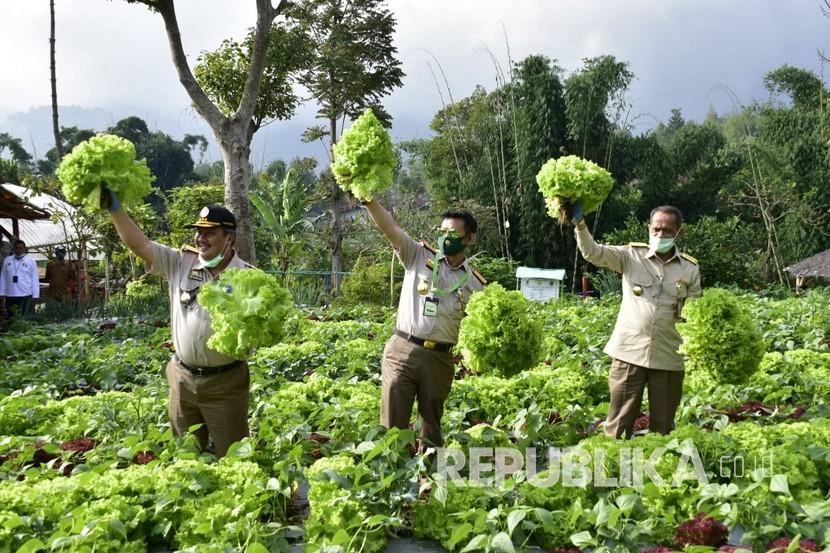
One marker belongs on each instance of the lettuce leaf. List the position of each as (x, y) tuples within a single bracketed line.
[(104, 159), (364, 158), (565, 180), (499, 335), (248, 309), (721, 337)]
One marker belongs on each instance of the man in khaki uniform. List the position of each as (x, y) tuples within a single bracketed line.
[(656, 280), (418, 361), (60, 274), (206, 387)]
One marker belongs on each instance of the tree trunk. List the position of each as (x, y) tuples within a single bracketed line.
[(55, 126), (237, 179), (337, 226)]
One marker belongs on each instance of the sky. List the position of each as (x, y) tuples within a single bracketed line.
[(113, 59)]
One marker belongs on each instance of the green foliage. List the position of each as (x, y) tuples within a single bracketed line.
[(247, 309), (720, 336), (497, 270), (223, 72), (104, 160), (499, 334), (541, 133), (567, 179), (369, 283), (364, 158), (288, 224), (142, 290), (183, 205)]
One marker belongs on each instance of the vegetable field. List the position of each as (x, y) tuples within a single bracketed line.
[(87, 461)]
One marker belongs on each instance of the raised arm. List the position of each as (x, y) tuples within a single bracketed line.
[(132, 236), (612, 257), (385, 222)]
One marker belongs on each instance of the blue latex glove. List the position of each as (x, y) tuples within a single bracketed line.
[(577, 215), (114, 203)]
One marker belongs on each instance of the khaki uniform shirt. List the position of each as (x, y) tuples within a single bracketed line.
[(189, 322), (59, 275), (653, 294), (417, 260)]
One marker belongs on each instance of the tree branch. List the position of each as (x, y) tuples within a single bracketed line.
[(200, 100), (266, 14)]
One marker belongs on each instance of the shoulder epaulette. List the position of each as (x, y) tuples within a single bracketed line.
[(428, 247), (637, 245), (189, 248), (689, 258), (479, 276)]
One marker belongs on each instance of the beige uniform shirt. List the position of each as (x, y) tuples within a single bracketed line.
[(417, 260), (189, 322), (653, 294)]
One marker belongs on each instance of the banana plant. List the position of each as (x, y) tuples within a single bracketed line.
[(288, 223)]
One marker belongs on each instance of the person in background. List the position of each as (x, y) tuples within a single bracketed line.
[(60, 274), (656, 281), (19, 282)]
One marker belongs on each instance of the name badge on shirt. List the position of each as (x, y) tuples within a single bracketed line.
[(14, 279), (430, 307)]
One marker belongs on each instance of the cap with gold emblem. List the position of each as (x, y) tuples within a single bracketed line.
[(214, 216)]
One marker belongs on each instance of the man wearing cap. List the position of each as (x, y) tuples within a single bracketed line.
[(19, 282), (656, 281), (417, 360), (206, 387), (60, 274)]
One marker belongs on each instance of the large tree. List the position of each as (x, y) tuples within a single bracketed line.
[(354, 66), (233, 129)]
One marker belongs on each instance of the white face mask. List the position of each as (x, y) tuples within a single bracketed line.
[(660, 245)]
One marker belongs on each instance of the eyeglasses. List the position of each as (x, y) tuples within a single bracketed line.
[(449, 232)]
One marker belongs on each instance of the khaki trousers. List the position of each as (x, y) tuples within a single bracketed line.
[(627, 383), (411, 372), (219, 402)]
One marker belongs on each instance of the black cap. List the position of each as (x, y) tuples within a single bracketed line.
[(215, 216)]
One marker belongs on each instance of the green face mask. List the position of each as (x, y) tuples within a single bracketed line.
[(210, 263), (660, 245), (451, 245)]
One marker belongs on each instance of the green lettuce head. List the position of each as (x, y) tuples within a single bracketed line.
[(104, 159), (721, 337), (248, 309), (364, 158), (499, 335), (565, 180)]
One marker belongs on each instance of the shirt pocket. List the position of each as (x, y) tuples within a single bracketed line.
[(643, 285)]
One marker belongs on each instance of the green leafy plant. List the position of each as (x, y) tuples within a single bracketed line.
[(104, 160), (247, 308), (567, 179), (721, 337), (364, 158), (499, 334)]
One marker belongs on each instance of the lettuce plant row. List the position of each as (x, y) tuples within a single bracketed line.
[(87, 460)]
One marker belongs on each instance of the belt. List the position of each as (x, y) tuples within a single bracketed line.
[(426, 344), (207, 371)]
